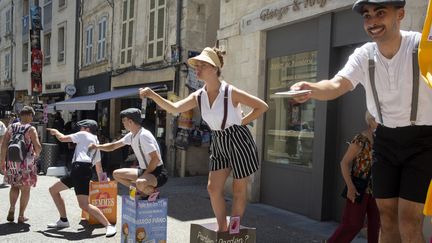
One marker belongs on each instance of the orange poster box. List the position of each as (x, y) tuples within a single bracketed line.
[(104, 196)]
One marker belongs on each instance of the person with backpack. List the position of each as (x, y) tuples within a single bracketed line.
[(19, 149), (151, 172), (80, 175), (400, 103), (233, 148)]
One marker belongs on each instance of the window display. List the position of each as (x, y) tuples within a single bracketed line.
[(289, 126)]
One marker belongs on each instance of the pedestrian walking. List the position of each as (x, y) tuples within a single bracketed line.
[(233, 148), (356, 167), (387, 68), (19, 149), (80, 175)]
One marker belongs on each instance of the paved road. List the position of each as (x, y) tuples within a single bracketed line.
[(188, 203)]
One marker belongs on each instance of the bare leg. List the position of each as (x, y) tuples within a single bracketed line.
[(215, 187), (411, 221), (84, 204), (24, 199), (58, 200), (239, 196), (146, 183), (388, 209), (125, 176), (13, 197)]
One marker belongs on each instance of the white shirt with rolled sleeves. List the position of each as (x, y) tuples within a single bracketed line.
[(82, 154), (148, 145), (393, 80)]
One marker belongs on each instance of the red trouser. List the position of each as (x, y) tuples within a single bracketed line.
[(353, 219)]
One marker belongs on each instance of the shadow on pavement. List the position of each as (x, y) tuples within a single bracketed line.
[(83, 233), (12, 228)]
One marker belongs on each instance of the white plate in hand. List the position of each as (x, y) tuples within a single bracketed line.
[(293, 93)]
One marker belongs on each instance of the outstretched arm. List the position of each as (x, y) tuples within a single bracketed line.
[(323, 90), (258, 106), (60, 136), (107, 147), (183, 105)]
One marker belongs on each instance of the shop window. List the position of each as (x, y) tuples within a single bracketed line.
[(101, 48), (61, 43), (8, 16), (7, 67), (89, 45), (127, 31), (61, 4), (47, 49), (289, 126), (25, 56), (47, 15), (156, 35), (26, 7)]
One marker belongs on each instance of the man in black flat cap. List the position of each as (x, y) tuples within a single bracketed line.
[(81, 174), (151, 173), (402, 151)]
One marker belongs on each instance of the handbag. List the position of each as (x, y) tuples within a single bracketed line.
[(360, 185)]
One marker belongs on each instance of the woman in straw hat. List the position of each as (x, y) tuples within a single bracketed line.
[(233, 148)]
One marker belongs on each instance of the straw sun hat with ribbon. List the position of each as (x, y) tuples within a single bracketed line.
[(207, 55)]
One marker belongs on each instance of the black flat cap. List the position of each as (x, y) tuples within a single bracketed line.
[(358, 5), (132, 113), (88, 123)]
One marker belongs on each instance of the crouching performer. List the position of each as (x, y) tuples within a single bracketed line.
[(151, 172), (81, 174)]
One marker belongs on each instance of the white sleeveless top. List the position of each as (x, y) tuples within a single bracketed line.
[(213, 116)]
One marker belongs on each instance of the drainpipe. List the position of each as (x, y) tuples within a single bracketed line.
[(177, 87), (178, 43), (78, 15), (12, 42)]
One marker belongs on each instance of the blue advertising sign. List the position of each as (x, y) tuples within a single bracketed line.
[(36, 17), (144, 221)]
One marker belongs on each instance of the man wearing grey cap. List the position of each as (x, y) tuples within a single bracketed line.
[(151, 173), (400, 103), (81, 174)]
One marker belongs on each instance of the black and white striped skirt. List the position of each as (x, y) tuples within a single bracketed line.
[(234, 148)]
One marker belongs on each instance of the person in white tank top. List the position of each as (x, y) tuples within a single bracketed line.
[(211, 100)]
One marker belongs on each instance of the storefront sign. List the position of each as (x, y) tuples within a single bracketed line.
[(283, 12), (278, 13)]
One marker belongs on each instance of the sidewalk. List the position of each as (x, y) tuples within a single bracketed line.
[(188, 202)]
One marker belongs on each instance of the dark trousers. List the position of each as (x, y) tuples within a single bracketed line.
[(353, 219)]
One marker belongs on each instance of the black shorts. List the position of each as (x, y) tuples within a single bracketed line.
[(160, 173), (402, 164), (79, 178)]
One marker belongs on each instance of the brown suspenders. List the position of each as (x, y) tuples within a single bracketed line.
[(225, 105)]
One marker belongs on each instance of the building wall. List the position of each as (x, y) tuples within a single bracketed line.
[(61, 72), (6, 48), (92, 13), (56, 72)]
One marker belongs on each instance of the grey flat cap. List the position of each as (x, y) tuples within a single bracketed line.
[(358, 5)]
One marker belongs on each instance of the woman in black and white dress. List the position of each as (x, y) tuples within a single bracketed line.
[(233, 148)]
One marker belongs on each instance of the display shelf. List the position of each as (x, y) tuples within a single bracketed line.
[(290, 133)]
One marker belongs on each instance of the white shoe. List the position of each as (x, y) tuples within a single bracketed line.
[(110, 230), (59, 224)]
